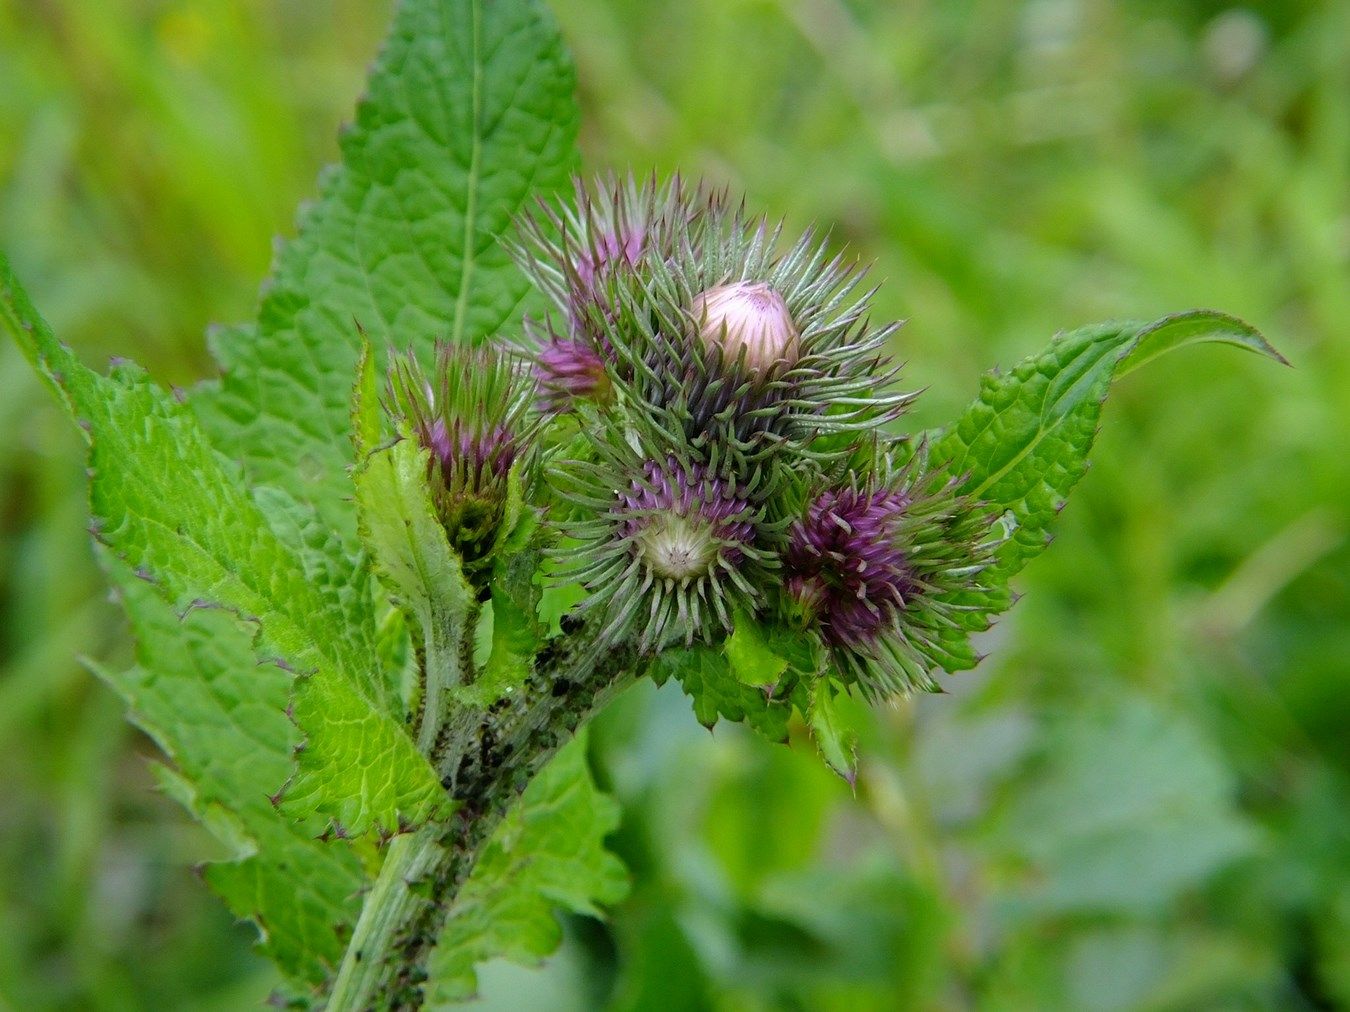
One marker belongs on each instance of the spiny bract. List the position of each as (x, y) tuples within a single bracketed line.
[(473, 417), (717, 439)]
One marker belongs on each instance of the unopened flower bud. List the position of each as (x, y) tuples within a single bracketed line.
[(468, 415), (747, 319)]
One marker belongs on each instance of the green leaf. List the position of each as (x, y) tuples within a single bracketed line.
[(468, 113), (716, 693), (343, 585), (517, 632), (752, 660), (1199, 326), (549, 852), (165, 504), (835, 736), (1023, 444), (399, 527), (200, 691)]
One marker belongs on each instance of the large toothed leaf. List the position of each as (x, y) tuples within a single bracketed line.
[(218, 712), (548, 854), (166, 506), (468, 113), (1023, 444)]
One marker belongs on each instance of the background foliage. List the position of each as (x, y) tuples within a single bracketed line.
[(1139, 800)]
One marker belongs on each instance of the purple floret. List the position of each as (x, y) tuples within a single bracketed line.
[(568, 369), (609, 250), (461, 449), (669, 487), (845, 564)]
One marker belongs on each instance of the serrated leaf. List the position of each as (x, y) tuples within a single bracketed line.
[(716, 693), (548, 853), (166, 505), (468, 113), (751, 659), (835, 737), (200, 691), (343, 585), (1023, 444)]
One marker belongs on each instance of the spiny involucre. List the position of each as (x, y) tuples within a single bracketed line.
[(717, 439), (472, 414)]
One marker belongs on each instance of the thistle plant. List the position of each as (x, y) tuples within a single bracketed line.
[(490, 455)]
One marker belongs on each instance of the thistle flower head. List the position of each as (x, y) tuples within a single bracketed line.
[(681, 522), (749, 323), (879, 565), (848, 564), (670, 554), (470, 416), (574, 251), (569, 369), (724, 338)]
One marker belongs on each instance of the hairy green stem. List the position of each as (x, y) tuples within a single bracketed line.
[(447, 663), (390, 902), (502, 748)]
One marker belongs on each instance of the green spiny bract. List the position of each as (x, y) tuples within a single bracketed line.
[(735, 454), (668, 547), (472, 414), (573, 251)]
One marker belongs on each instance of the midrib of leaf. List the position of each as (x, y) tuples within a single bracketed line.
[(1077, 370), (469, 256), (1045, 428)]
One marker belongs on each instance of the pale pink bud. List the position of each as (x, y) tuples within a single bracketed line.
[(750, 318)]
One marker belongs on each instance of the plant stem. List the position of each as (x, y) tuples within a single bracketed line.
[(503, 748), (447, 663), (390, 902)]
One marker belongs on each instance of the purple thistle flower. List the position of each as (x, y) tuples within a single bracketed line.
[(567, 370), (466, 455), (845, 564), (572, 250), (469, 415), (588, 268), (683, 523), (666, 547), (608, 249)]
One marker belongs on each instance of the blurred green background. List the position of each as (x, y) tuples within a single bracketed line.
[(1141, 800)]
